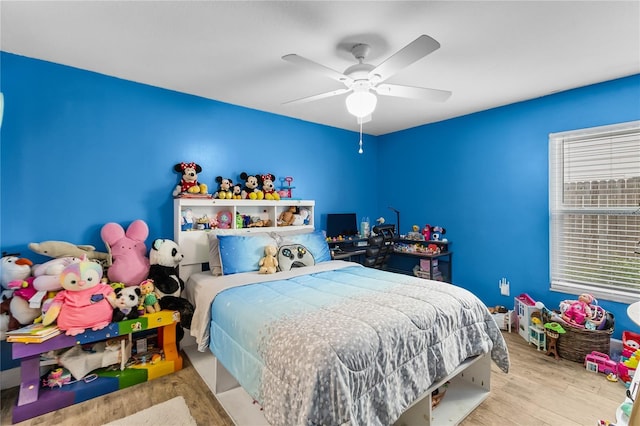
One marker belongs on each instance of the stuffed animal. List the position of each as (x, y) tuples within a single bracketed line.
[(301, 218), (128, 251), (250, 189), (437, 232), (287, 217), (126, 303), (165, 256), (149, 296), (15, 275), (269, 264), (57, 249), (237, 192), (268, 186), (225, 188), (85, 302), (12, 268), (189, 179), (20, 306)]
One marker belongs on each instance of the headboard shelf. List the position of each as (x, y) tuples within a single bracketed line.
[(194, 219)]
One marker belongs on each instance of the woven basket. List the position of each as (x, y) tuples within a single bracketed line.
[(577, 343)]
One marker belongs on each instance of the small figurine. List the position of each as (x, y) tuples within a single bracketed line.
[(149, 296)]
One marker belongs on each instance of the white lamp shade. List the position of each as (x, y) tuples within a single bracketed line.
[(361, 103)]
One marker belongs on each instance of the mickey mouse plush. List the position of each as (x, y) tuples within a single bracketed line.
[(225, 188), (189, 183), (250, 189), (268, 186)]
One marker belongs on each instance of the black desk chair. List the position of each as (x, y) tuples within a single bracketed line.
[(380, 246)]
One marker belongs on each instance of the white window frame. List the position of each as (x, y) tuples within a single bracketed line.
[(594, 212)]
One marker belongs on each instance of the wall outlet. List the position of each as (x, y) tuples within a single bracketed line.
[(504, 287)]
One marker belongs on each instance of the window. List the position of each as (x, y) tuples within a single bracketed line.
[(594, 202)]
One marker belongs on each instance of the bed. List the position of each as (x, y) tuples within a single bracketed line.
[(335, 343)]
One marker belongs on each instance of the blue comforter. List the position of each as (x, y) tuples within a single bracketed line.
[(347, 346)]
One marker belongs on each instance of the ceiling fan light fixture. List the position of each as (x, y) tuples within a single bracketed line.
[(361, 103)]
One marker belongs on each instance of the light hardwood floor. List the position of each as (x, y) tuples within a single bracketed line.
[(537, 391)]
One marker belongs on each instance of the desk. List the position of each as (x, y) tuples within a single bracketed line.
[(348, 255), (440, 265)]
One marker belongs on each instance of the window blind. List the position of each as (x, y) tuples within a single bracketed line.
[(594, 202)]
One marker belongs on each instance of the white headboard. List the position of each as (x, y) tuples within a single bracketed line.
[(195, 218)]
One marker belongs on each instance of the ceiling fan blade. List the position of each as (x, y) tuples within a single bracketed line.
[(417, 49), (319, 96), (314, 66), (412, 92)]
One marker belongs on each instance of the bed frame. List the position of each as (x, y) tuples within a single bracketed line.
[(469, 384)]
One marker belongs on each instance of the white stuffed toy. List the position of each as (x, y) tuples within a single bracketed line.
[(165, 256)]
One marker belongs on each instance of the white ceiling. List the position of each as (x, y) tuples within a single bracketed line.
[(492, 53)]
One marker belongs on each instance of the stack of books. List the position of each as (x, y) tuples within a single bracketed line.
[(33, 333)]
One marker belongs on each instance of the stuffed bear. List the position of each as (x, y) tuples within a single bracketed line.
[(165, 256), (85, 302), (268, 186), (126, 303), (189, 182), (128, 251), (250, 189), (269, 264), (225, 188)]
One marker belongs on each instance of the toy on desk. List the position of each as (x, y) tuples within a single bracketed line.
[(426, 232), (85, 302), (437, 233)]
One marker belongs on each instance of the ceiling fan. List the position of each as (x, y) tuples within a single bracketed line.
[(365, 80)]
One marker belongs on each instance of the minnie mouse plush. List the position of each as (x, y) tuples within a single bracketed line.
[(189, 183), (268, 186)]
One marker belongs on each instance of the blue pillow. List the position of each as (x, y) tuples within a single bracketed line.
[(315, 242), (242, 253)]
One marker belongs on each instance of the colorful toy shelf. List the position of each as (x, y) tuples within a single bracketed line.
[(34, 400)]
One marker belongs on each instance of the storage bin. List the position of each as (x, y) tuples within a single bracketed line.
[(576, 343)]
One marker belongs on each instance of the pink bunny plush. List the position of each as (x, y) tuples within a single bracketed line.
[(128, 251)]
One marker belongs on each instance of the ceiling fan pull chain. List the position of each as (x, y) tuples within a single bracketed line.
[(360, 151)]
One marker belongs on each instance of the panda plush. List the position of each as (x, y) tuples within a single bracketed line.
[(164, 257), (126, 304)]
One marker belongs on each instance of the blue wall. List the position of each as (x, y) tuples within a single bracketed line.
[(484, 177), (80, 149)]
